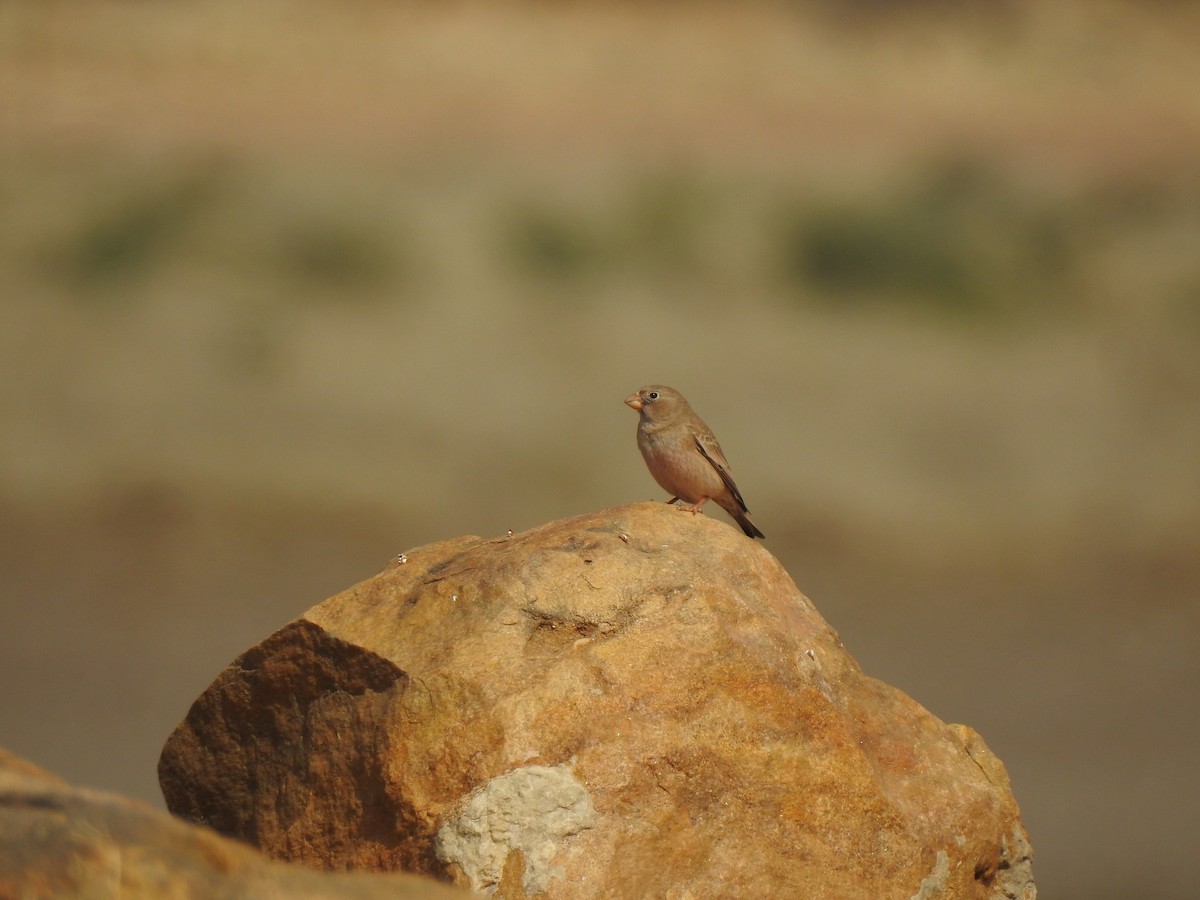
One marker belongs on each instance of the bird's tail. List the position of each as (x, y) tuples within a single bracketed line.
[(743, 518)]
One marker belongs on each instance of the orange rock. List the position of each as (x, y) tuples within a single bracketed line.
[(632, 703), (63, 842)]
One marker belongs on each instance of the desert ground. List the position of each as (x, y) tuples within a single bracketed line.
[(288, 289)]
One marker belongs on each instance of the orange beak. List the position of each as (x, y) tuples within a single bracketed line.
[(634, 400)]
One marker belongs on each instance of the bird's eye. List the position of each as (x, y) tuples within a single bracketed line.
[(653, 395)]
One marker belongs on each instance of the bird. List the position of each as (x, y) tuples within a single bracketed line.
[(683, 455)]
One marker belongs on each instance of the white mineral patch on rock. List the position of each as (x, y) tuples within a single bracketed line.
[(531, 809)]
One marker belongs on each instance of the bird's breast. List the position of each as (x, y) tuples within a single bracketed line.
[(678, 465)]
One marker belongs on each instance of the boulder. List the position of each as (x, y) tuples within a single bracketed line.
[(63, 842), (635, 703)]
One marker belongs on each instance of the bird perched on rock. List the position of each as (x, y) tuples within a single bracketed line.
[(683, 456)]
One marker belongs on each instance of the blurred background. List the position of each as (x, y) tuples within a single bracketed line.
[(289, 288)]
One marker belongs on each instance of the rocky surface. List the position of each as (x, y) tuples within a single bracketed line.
[(63, 842), (636, 702)]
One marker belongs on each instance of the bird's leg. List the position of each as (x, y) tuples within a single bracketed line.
[(672, 501), (695, 507)]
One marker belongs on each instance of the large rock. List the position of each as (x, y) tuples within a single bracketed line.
[(633, 703), (63, 842)]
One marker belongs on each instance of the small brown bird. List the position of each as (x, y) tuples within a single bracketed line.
[(683, 456)]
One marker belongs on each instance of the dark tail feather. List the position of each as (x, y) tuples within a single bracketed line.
[(743, 519), (749, 527)]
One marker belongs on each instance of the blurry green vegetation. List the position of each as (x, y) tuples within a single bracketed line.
[(193, 218), (651, 226), (959, 239), (554, 243), (956, 240), (121, 237), (668, 217), (337, 253)]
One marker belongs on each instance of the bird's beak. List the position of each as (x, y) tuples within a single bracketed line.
[(634, 400)]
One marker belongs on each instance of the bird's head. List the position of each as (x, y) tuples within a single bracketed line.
[(657, 402)]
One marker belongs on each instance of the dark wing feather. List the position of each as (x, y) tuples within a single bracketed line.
[(711, 450)]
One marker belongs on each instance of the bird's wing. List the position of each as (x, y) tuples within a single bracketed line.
[(711, 450)]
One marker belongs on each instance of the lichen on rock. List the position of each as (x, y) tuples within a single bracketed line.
[(531, 810)]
